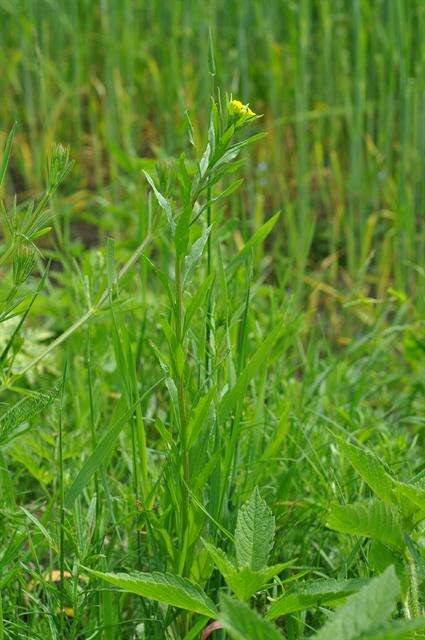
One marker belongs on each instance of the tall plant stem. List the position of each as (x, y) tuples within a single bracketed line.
[(62, 514), (208, 346), (1, 618), (179, 317)]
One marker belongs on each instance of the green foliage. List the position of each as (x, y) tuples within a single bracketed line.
[(313, 593), (365, 611), (254, 536), (371, 470), (372, 519), (210, 343), (254, 533), (164, 587), (241, 622), (15, 420)]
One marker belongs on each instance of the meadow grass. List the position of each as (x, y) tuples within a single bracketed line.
[(211, 324)]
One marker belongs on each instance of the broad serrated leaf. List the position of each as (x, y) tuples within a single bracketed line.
[(254, 533), (365, 610), (313, 594), (244, 582), (396, 630), (411, 499), (242, 623), (371, 519), (371, 470), (163, 587)]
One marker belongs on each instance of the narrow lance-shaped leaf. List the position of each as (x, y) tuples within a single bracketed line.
[(199, 416), (101, 452), (6, 153), (258, 237), (162, 201), (196, 251), (235, 394)]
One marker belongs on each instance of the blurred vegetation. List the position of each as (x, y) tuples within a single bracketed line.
[(303, 324), (340, 83)]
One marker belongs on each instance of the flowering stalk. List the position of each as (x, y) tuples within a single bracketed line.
[(190, 239)]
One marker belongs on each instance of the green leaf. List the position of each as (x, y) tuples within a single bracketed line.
[(242, 623), (236, 393), (380, 557), (365, 610), (41, 528), (372, 519), (196, 303), (162, 587), (198, 417), (103, 449), (181, 236), (97, 457), (397, 629), (254, 533), (245, 582), (413, 498), (195, 254), (162, 201), (313, 594), (11, 422), (258, 237), (371, 470), (6, 153), (224, 565), (231, 188)]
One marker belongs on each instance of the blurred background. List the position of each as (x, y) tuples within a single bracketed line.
[(341, 86)]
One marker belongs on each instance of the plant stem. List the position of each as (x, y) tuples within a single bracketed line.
[(92, 418), (1, 618), (62, 515), (414, 588), (179, 316), (208, 346)]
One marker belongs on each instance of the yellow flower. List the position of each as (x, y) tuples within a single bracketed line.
[(237, 108)]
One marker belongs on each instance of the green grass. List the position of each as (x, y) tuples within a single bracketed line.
[(216, 383)]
